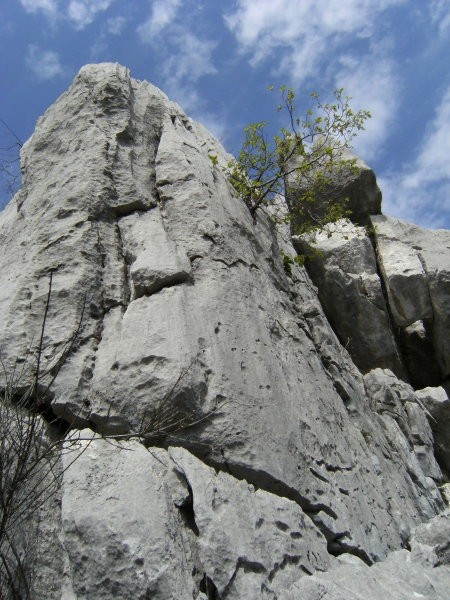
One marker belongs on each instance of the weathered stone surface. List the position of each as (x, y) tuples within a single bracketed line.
[(421, 573), (396, 401), (250, 542), (430, 544), (396, 577), (357, 185), (123, 535), (409, 334), (189, 314), (437, 404), (140, 523), (342, 264), (415, 263)]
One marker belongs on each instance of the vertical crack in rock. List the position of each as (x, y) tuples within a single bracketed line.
[(186, 505), (126, 267), (415, 270), (395, 330)]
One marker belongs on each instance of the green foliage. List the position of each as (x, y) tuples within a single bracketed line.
[(308, 153), (289, 261), (213, 158)]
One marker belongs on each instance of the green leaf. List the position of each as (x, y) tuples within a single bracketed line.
[(213, 158)]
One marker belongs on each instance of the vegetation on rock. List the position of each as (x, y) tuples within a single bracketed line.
[(310, 152)]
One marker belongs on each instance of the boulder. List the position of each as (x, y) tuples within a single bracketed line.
[(430, 544), (396, 401)]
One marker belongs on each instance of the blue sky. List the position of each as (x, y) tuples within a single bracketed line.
[(217, 58)]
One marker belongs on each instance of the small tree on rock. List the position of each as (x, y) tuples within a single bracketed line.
[(310, 153)]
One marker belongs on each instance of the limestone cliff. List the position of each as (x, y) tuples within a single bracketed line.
[(281, 470)]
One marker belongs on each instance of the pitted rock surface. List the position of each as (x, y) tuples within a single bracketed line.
[(168, 299)]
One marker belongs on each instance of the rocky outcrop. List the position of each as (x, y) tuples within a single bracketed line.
[(342, 264), (188, 528), (422, 573), (415, 264), (386, 294), (244, 450), (437, 406)]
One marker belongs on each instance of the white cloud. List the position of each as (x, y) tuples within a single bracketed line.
[(79, 12), (163, 14), (185, 57), (190, 59), (115, 25), (44, 64), (306, 30), (373, 85), (421, 191), (440, 15), (49, 7), (82, 12)]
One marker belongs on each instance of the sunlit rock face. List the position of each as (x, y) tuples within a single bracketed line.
[(171, 319), (415, 267), (343, 265), (386, 292)]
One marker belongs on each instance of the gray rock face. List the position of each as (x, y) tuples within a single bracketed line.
[(397, 577), (190, 334), (421, 573), (342, 264), (437, 405), (389, 306), (415, 263), (396, 399)]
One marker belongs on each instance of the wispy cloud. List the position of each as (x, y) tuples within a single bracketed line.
[(185, 56), (115, 25), (82, 12), (440, 15), (48, 7), (44, 64), (373, 84), (78, 12), (305, 30), (163, 13), (190, 58), (421, 191)]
